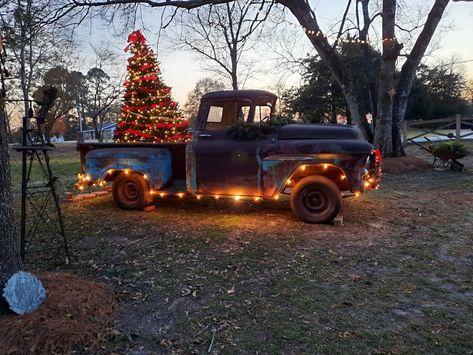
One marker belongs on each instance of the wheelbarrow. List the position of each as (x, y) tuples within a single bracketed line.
[(444, 159)]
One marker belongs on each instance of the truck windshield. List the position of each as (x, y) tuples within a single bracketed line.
[(262, 113)]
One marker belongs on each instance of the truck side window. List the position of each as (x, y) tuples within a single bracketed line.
[(215, 114)]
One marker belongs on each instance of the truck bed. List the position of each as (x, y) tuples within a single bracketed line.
[(178, 153)]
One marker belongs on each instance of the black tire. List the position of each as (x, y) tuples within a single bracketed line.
[(316, 199), (131, 191)]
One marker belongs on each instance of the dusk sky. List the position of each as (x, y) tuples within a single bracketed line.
[(181, 69)]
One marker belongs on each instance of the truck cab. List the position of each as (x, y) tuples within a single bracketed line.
[(236, 151)]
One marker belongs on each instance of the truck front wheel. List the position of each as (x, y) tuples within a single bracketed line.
[(316, 199), (131, 192)]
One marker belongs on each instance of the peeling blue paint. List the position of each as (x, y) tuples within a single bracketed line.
[(154, 162)]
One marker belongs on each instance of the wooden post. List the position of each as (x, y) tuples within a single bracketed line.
[(458, 126), (404, 134)]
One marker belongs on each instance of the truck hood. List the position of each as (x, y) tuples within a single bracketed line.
[(319, 131)]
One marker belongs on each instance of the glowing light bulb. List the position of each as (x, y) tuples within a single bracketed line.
[(257, 199), (237, 198), (276, 197), (325, 166), (303, 167), (216, 197)]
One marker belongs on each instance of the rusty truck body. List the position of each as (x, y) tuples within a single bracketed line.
[(312, 163)]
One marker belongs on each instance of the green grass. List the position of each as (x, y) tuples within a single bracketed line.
[(64, 168)]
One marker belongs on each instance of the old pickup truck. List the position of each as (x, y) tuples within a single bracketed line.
[(312, 163)]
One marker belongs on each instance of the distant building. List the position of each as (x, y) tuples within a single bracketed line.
[(107, 129)]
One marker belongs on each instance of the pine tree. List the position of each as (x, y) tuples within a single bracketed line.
[(148, 113)]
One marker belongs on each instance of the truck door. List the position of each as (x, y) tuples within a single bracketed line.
[(224, 165)]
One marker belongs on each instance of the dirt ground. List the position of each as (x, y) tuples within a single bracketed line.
[(233, 276)]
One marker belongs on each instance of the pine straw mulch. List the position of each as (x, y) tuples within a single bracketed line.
[(76, 315), (404, 165)]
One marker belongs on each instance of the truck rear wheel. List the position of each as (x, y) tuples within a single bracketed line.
[(316, 199), (131, 191)]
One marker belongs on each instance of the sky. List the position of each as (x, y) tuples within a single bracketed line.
[(181, 69)]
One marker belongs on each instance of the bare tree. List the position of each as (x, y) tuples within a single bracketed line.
[(101, 90), (222, 35), (102, 94), (33, 42)]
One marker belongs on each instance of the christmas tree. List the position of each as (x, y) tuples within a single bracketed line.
[(148, 113)]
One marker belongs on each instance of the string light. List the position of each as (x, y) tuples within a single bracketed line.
[(319, 34)]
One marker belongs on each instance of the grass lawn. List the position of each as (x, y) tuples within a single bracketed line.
[(395, 278)]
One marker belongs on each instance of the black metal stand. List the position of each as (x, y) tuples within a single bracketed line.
[(40, 210)]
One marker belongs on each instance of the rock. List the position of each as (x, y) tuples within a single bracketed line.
[(24, 293)]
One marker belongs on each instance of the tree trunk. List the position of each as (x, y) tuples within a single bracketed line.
[(367, 58), (306, 17), (234, 73), (383, 128), (9, 253), (409, 69)]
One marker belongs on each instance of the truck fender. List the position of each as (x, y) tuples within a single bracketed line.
[(106, 164), (278, 175)]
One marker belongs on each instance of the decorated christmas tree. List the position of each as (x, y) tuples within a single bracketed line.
[(148, 113)]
